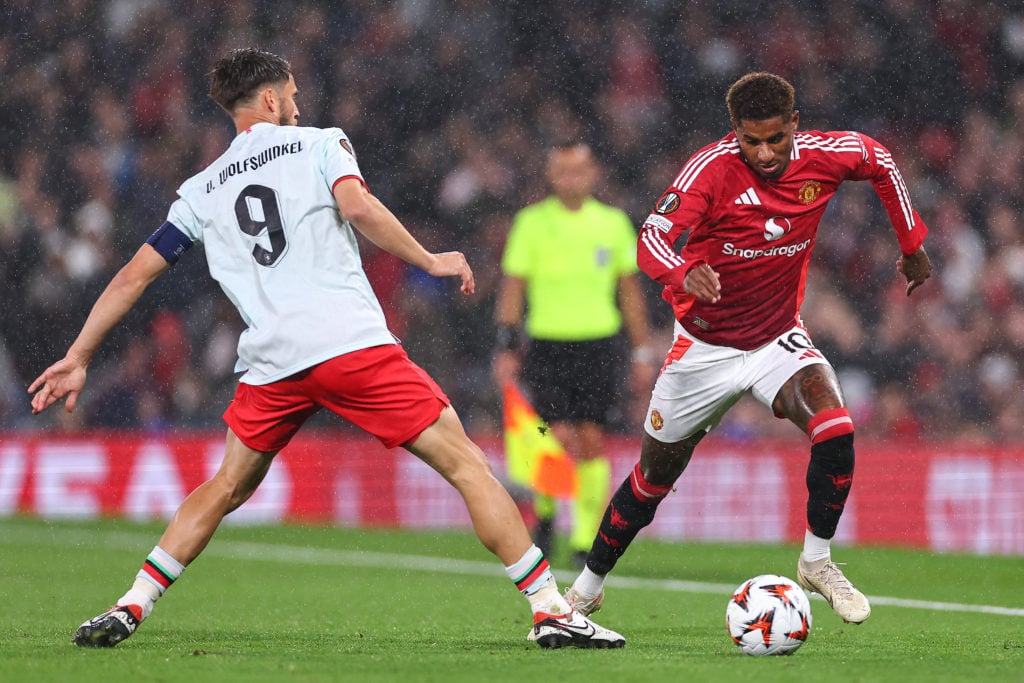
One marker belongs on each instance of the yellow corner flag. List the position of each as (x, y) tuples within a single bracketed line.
[(533, 455)]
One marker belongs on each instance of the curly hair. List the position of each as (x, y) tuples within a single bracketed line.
[(759, 96), (236, 77)]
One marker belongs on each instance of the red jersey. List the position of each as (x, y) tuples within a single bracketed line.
[(758, 234)]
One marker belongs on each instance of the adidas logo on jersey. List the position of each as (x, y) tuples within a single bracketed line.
[(749, 197)]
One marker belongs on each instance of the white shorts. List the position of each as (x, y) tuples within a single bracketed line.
[(700, 382)]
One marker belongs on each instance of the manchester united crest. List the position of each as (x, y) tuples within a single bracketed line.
[(809, 191), (657, 421)]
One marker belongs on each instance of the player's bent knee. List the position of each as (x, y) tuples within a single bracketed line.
[(472, 467)]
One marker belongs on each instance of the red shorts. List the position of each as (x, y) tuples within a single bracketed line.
[(378, 389)]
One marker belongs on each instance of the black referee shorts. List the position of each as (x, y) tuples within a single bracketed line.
[(573, 381)]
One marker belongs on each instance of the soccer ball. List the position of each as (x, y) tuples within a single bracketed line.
[(768, 615)]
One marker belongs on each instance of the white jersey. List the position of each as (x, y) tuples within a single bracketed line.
[(279, 248)]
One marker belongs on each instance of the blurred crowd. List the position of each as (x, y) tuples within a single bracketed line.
[(451, 105)]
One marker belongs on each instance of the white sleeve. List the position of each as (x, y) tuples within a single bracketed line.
[(184, 219), (337, 158)]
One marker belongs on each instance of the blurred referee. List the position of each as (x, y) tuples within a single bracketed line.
[(570, 267)]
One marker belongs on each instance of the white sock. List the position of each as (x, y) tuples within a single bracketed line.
[(141, 594), (548, 600), (588, 584), (532, 575), (816, 548)]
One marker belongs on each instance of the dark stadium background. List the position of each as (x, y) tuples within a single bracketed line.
[(103, 113)]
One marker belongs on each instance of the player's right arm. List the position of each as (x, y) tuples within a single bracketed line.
[(683, 206), (66, 377), (658, 258), (702, 282), (656, 254), (369, 215)]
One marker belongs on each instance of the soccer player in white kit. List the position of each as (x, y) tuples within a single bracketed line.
[(275, 213), (752, 202)]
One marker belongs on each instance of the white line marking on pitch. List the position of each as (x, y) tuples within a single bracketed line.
[(358, 558)]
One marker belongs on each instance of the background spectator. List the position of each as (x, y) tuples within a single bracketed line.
[(105, 100)]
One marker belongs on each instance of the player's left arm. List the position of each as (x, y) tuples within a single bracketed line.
[(369, 215), (66, 377), (879, 167), (916, 267)]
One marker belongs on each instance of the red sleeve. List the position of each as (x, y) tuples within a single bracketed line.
[(683, 206), (878, 167), (655, 252)]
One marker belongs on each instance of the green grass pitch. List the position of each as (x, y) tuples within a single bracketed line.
[(295, 603)]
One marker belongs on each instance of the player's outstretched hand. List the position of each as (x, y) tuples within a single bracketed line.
[(64, 378), (453, 263), (916, 268), (702, 282)]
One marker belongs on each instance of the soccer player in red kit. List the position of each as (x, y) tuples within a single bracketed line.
[(752, 203)]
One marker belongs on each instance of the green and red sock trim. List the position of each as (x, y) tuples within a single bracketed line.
[(158, 574), (160, 569), (533, 574)]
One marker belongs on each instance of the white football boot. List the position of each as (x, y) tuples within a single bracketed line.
[(561, 630), (827, 580)]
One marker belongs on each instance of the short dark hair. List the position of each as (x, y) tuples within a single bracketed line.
[(759, 96), (237, 77)]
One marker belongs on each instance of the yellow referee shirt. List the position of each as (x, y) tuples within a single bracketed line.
[(571, 262)]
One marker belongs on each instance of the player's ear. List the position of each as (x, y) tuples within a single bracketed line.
[(796, 119), (269, 99)]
